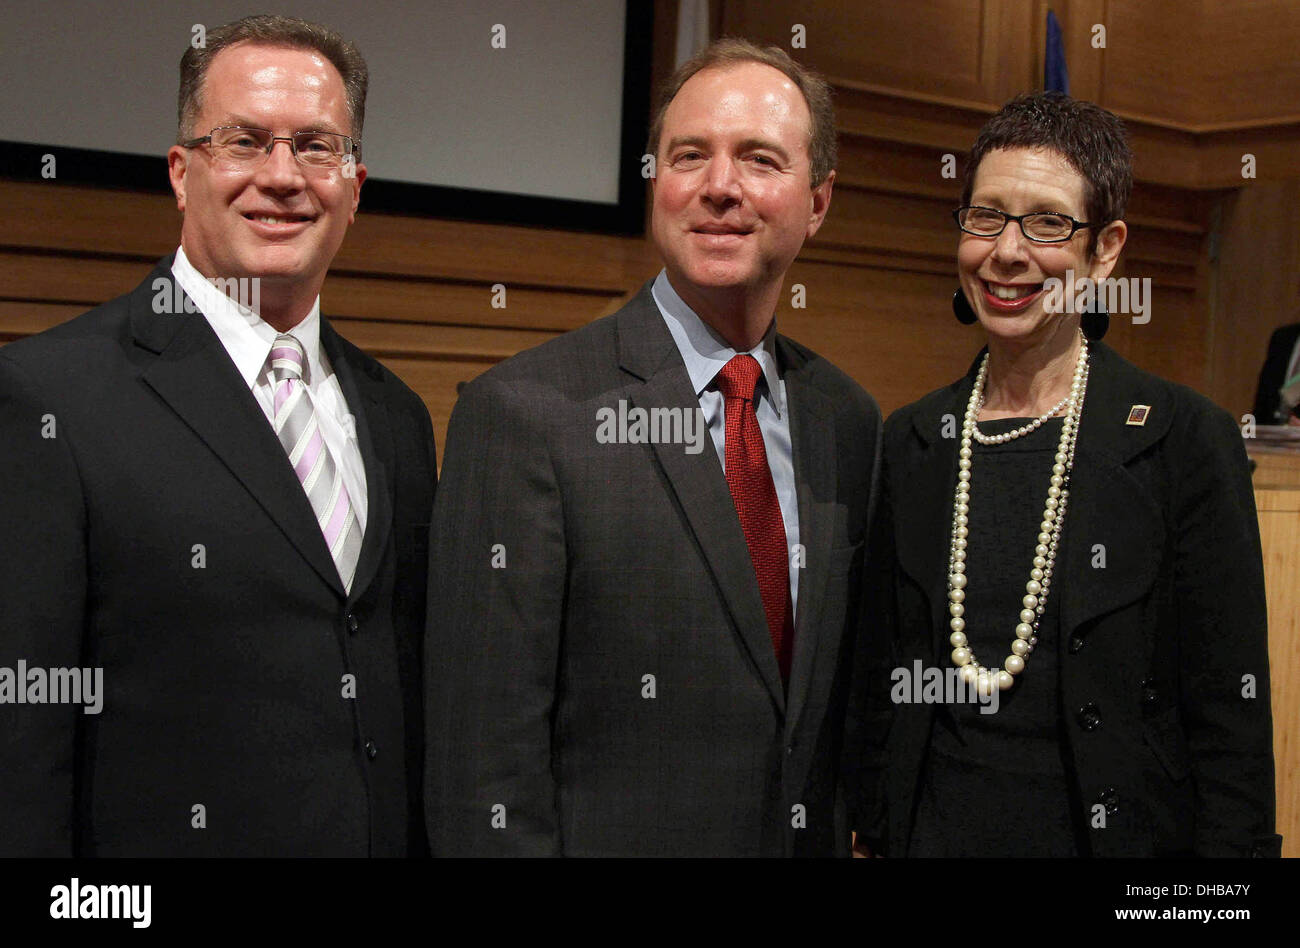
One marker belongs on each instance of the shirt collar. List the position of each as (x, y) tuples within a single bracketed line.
[(245, 335), (705, 352)]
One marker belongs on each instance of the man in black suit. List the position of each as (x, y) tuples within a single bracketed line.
[(217, 505), (649, 535), (1281, 365)]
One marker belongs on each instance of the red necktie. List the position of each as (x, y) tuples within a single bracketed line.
[(754, 494)]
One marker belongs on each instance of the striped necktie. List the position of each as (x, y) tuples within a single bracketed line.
[(299, 432)]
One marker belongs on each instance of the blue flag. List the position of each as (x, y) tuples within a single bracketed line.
[(1055, 76)]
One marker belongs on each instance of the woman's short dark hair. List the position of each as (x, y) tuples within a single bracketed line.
[(1092, 140), (270, 30)]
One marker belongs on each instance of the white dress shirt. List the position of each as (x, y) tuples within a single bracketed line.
[(248, 340)]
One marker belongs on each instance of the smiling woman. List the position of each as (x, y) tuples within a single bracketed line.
[(1103, 555), (1021, 227)]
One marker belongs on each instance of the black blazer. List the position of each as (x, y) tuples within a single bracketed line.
[(1153, 647), (1271, 377), (623, 561), (162, 536)]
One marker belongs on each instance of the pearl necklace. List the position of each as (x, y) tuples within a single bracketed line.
[(1040, 576), (1019, 432)]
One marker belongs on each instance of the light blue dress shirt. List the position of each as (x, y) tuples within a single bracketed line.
[(705, 353)]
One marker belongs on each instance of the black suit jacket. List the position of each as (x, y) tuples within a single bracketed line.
[(612, 689), (1154, 646), (162, 535), (1271, 377)]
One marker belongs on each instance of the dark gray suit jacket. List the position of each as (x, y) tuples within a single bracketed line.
[(612, 688), (223, 668)]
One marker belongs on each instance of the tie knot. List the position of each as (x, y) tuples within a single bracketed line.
[(287, 358), (739, 376)]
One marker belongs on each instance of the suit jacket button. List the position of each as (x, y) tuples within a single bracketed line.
[(1089, 717), (1109, 798), (371, 750), (1076, 643), (789, 751), (1149, 693), (353, 626)]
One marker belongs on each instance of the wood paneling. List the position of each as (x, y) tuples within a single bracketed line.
[(914, 82), (88, 281), (1231, 63), (1256, 286), (1279, 528), (417, 293), (1276, 466), (908, 71), (889, 44)]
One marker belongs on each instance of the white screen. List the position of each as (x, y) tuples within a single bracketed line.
[(540, 117)]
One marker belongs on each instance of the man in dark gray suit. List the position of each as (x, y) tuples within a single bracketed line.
[(648, 539)]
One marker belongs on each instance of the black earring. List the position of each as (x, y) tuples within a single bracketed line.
[(962, 310), (1095, 322)]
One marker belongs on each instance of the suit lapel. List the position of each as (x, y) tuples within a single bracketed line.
[(647, 351), (1108, 506), (921, 501), (194, 375), (812, 435), (365, 400)]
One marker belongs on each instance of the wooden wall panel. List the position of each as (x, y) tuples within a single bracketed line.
[(914, 83), (81, 220), (1086, 63), (1274, 147), (1200, 85), (19, 319), (1146, 60), (893, 331), (437, 381), (1247, 69), (1279, 527), (890, 44), (1256, 286), (415, 292)]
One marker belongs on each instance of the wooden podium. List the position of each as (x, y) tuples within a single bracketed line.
[(1277, 499)]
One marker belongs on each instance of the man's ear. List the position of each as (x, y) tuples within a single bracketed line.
[(1109, 243), (359, 177), (177, 164), (820, 204)]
